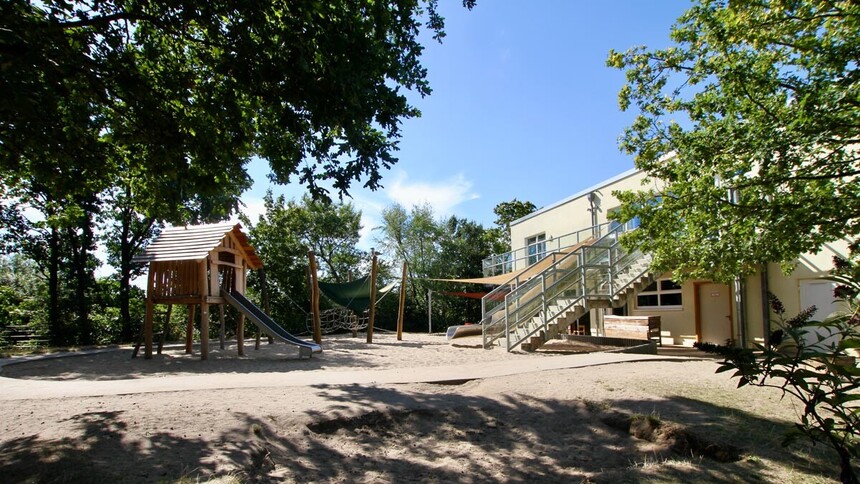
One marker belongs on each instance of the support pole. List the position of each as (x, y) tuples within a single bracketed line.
[(402, 306), (147, 321), (265, 297), (221, 331), (204, 331), (204, 310), (373, 271), (240, 335), (429, 311), (189, 328), (315, 297)]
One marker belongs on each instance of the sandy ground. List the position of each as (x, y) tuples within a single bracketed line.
[(415, 410)]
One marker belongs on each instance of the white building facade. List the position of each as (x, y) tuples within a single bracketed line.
[(696, 310)]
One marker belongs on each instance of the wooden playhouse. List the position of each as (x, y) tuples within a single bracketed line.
[(191, 265)]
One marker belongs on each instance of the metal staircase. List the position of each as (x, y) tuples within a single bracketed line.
[(600, 275)]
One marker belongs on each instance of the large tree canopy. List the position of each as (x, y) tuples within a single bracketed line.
[(752, 121), (187, 91)]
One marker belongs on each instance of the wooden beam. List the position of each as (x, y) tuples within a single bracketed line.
[(240, 335), (147, 321), (204, 331), (189, 328), (221, 331), (402, 306), (204, 309), (373, 271), (315, 297)]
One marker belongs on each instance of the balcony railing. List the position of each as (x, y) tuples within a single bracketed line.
[(496, 265)]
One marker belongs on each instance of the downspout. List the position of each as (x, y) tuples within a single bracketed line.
[(765, 303), (740, 310)]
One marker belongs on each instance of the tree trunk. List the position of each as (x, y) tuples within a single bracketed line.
[(56, 332), (80, 245), (126, 331)]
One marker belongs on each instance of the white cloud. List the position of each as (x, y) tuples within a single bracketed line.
[(442, 195), (254, 207)]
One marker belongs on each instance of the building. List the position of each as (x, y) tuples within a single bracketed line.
[(697, 310)]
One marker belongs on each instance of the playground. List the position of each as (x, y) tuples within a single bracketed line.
[(365, 407), (417, 409)]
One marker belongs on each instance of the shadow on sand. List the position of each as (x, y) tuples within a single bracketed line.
[(404, 436)]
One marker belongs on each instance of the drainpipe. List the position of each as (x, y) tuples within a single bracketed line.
[(429, 311), (765, 306), (740, 310)]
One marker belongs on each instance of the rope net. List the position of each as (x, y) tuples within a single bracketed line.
[(337, 319)]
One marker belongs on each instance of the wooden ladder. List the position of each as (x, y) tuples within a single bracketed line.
[(161, 334)]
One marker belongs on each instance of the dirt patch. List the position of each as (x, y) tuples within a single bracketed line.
[(678, 438)]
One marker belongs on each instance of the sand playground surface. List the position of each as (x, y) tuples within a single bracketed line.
[(415, 410)]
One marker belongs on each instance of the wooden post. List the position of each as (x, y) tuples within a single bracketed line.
[(315, 297), (372, 315), (402, 306), (265, 297), (204, 311), (221, 331), (189, 328), (165, 326), (150, 307), (240, 335)]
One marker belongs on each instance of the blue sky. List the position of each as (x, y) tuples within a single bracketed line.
[(523, 107)]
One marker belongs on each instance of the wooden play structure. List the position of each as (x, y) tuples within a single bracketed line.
[(356, 297), (200, 266)]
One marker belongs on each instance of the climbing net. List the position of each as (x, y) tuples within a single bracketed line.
[(337, 319)]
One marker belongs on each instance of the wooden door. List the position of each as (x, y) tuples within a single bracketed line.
[(715, 313)]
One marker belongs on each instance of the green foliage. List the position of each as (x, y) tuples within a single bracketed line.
[(499, 237), (435, 249), (22, 297), (748, 126), (148, 112), (814, 363), (282, 237)]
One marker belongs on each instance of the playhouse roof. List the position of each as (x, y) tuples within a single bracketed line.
[(195, 243)]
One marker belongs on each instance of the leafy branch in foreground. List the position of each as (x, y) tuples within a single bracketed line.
[(813, 363)]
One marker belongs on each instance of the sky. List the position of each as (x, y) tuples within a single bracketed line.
[(523, 106)]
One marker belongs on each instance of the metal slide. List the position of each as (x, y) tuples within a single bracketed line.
[(269, 326)]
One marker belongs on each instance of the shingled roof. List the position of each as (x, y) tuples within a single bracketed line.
[(195, 243)]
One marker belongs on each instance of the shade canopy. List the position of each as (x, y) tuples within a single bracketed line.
[(354, 295)]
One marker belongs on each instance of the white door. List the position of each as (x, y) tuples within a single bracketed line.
[(818, 293)]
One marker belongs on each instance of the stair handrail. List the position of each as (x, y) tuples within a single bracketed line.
[(512, 257), (491, 320)]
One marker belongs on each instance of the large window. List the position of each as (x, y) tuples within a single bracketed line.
[(631, 224), (536, 248), (663, 294)]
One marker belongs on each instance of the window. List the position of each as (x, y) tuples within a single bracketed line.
[(614, 224), (664, 293), (536, 248)]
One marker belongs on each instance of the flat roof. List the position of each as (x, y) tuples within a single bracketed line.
[(581, 193)]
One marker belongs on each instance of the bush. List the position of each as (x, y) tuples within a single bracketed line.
[(814, 363)]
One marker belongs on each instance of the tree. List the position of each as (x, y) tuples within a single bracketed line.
[(332, 231), (750, 122), (156, 108), (313, 87), (412, 237), (499, 236), (282, 237), (445, 249)]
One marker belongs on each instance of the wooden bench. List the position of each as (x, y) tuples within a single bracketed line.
[(633, 327)]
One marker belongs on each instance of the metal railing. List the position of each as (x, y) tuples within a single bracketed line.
[(496, 265), (521, 308)]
